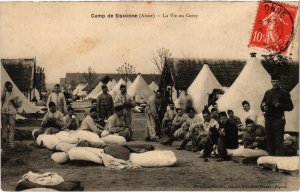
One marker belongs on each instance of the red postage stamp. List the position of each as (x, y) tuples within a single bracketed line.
[(274, 26)]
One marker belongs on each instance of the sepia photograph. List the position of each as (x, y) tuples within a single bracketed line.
[(150, 96)]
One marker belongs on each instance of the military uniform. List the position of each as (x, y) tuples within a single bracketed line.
[(278, 100)]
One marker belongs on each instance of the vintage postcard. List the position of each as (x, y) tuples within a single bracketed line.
[(149, 96)]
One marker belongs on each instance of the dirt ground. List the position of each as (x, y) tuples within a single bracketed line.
[(190, 173)]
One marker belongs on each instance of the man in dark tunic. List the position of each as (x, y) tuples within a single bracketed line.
[(228, 136), (105, 104), (274, 103)]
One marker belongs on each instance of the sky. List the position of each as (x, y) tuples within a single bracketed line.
[(65, 38)]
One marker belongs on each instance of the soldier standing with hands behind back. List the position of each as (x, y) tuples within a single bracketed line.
[(274, 103)]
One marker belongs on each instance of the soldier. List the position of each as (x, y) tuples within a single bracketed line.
[(274, 103), (105, 104), (10, 102), (58, 98)]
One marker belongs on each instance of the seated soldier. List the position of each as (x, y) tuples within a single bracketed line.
[(94, 106), (291, 145), (194, 126), (89, 124), (70, 120), (234, 119), (177, 122), (226, 137), (52, 123), (168, 117), (255, 136), (116, 125), (237, 121), (208, 124)]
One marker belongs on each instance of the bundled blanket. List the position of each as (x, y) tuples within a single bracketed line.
[(283, 163), (248, 153), (46, 182)]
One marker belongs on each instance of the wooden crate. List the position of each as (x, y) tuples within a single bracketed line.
[(244, 160), (273, 167), (292, 173)]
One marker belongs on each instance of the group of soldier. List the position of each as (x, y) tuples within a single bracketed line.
[(216, 131)]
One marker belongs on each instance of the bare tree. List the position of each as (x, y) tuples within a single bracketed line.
[(160, 57), (127, 71), (40, 79), (90, 76)]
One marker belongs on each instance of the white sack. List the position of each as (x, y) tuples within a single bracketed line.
[(113, 139), (85, 154), (88, 136), (48, 141), (154, 158), (60, 157), (66, 137), (65, 147)]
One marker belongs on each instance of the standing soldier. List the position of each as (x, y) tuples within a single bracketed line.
[(105, 104), (274, 103), (58, 98), (156, 108), (9, 104)]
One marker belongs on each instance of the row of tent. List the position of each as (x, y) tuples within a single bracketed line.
[(250, 85), (139, 89)]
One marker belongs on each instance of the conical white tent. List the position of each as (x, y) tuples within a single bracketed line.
[(26, 107), (139, 89), (250, 85), (129, 83), (153, 86), (95, 91), (292, 117), (202, 86), (111, 85), (116, 89), (79, 89)]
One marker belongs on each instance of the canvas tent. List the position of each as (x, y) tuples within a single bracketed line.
[(116, 89), (95, 91), (292, 117), (129, 83), (250, 85), (26, 107), (202, 86), (153, 86), (79, 90), (111, 84), (139, 89)]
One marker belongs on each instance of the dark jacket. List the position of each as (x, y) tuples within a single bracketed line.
[(277, 95), (231, 135)]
